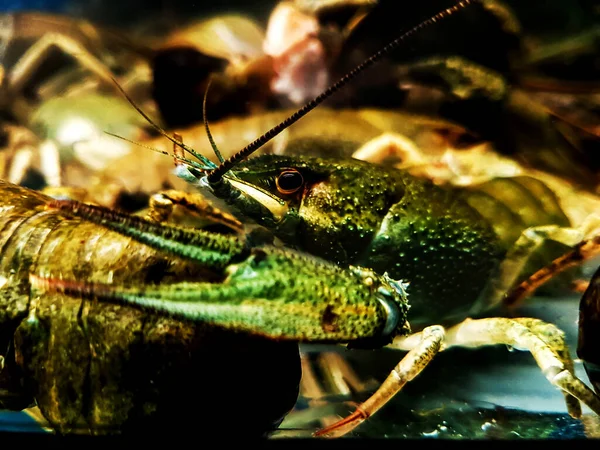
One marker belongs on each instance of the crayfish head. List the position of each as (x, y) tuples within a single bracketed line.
[(326, 207)]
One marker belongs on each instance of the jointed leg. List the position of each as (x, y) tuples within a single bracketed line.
[(162, 204), (577, 248), (580, 253), (408, 368), (340, 380), (50, 163), (313, 391), (543, 340), (25, 68), (35, 55), (341, 375), (23, 157)]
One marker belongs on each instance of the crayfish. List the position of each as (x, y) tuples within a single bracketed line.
[(381, 234)]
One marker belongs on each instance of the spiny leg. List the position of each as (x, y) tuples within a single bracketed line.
[(425, 348), (583, 251), (24, 69), (162, 204), (555, 338), (504, 288), (543, 340)]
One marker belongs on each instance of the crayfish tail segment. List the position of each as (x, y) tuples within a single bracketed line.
[(207, 248), (408, 368)]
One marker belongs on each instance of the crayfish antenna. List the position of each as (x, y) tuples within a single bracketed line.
[(218, 173), (206, 127), (176, 155), (180, 144)]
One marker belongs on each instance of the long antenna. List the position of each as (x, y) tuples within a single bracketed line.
[(206, 127), (218, 173), (186, 148)]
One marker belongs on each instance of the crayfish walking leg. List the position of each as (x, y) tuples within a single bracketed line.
[(543, 340)]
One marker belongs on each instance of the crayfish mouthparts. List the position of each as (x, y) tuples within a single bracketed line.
[(253, 201)]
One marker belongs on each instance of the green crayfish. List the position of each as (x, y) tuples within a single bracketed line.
[(460, 250)]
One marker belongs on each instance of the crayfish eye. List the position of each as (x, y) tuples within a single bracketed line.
[(289, 181)]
